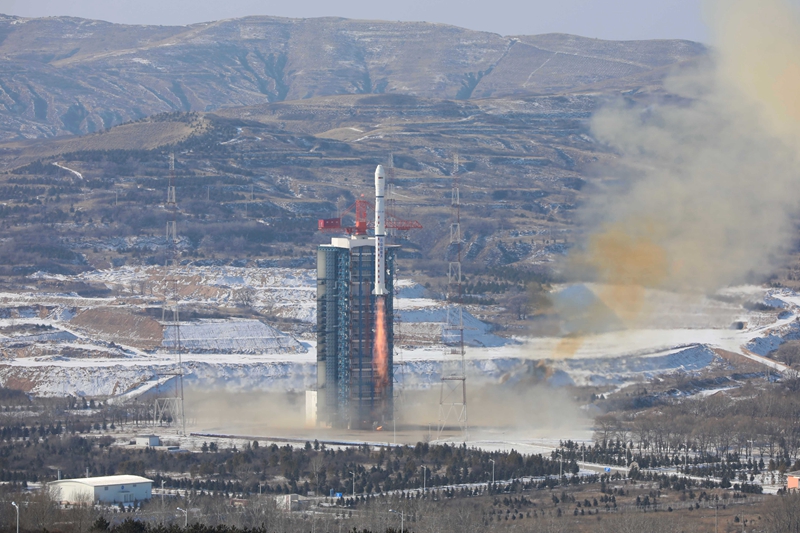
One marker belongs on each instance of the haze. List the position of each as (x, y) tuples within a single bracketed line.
[(605, 19)]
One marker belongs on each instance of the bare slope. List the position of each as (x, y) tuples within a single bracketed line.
[(125, 326), (62, 74)]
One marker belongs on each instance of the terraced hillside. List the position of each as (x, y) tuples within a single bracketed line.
[(253, 181), (66, 75)]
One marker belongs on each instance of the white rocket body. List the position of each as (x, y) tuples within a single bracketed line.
[(380, 232)]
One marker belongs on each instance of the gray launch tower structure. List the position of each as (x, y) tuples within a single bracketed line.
[(355, 316), (350, 393)]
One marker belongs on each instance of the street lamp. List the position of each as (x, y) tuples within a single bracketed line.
[(17, 508), (354, 482), (185, 517), (492, 461), (402, 518)]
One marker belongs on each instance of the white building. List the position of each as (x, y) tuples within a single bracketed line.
[(148, 440), (288, 502), (104, 489)]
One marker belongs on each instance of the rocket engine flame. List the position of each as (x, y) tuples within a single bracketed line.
[(380, 351)]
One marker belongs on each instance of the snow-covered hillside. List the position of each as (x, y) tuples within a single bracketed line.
[(235, 336), (55, 344)]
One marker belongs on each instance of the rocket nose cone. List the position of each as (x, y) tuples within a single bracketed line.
[(379, 173)]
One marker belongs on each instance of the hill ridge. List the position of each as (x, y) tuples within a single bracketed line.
[(71, 75)]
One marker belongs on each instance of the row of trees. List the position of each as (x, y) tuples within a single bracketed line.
[(763, 422)]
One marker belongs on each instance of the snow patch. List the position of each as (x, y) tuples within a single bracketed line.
[(230, 337)]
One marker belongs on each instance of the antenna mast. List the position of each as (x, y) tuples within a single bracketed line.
[(453, 393), (397, 359), (172, 407)]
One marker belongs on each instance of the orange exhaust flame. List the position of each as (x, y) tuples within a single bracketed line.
[(380, 352)]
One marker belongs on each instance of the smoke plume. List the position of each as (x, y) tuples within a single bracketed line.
[(706, 184)]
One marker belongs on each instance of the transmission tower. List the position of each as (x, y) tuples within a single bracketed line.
[(171, 408), (397, 359), (453, 393)]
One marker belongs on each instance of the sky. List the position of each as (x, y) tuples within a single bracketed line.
[(604, 19)]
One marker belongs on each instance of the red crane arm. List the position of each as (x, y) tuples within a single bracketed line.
[(363, 209)]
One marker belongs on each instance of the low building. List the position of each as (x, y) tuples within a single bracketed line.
[(793, 480), (148, 440), (104, 489), (288, 502)]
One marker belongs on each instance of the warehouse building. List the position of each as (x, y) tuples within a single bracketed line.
[(148, 440), (104, 489)]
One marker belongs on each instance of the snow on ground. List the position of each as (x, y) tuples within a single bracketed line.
[(285, 292), (476, 333), (679, 332), (240, 336)]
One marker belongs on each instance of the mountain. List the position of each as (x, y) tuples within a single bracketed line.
[(62, 75)]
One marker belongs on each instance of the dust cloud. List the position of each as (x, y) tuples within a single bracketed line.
[(493, 408), (244, 412), (705, 188), (499, 406)]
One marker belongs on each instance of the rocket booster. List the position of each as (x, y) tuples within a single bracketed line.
[(380, 232)]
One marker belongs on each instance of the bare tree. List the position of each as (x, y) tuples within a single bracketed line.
[(81, 514), (789, 353), (245, 297), (40, 510), (604, 427), (783, 514)]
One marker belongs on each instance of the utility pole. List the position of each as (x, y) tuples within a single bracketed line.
[(424, 474), (185, 517), (492, 461), (402, 518), (354, 483), (17, 508)]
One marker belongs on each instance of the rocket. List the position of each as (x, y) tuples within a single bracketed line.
[(380, 232)]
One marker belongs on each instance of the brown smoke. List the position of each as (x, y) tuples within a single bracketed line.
[(714, 169)]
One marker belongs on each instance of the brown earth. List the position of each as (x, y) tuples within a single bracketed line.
[(124, 326)]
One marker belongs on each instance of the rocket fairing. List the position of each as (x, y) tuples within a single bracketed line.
[(380, 233)]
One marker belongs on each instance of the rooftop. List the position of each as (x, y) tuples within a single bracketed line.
[(106, 480)]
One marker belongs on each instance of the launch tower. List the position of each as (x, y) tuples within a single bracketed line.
[(355, 338)]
